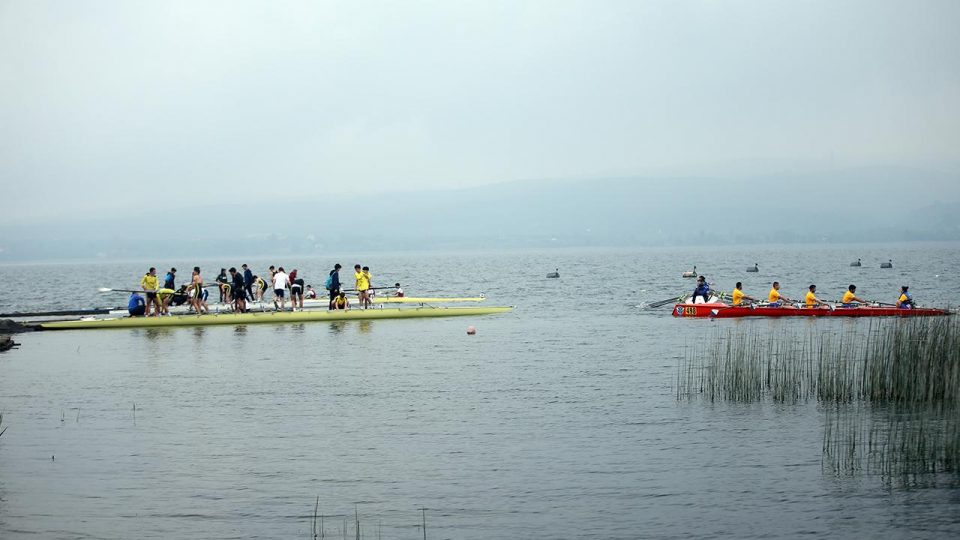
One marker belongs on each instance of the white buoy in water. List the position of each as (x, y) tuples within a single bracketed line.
[(554, 274), (689, 273), (471, 330)]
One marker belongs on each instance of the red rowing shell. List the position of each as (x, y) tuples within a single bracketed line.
[(724, 311)]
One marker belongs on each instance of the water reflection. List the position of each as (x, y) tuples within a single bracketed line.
[(336, 327), (366, 327)]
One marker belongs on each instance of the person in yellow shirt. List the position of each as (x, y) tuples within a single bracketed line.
[(811, 300), (776, 299), (340, 301), (739, 296), (150, 284), (362, 276), (850, 298), (369, 281), (906, 300)]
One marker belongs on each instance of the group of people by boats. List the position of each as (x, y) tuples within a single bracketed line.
[(704, 294), (238, 287)]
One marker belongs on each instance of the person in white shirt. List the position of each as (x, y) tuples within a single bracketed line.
[(280, 284)]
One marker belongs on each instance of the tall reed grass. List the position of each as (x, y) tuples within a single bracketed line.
[(882, 361), (890, 389)]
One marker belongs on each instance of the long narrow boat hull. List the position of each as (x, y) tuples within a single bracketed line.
[(271, 317), (724, 311), (312, 303)]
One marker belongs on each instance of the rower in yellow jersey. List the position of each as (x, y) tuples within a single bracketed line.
[(811, 300), (776, 299), (739, 296), (850, 298)]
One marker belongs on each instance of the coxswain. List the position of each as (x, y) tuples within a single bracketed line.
[(341, 301), (399, 291), (811, 300), (136, 306), (310, 293), (906, 299), (850, 298), (776, 299), (702, 291), (739, 296), (150, 283)]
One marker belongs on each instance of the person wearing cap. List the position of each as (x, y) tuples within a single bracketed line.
[(702, 291), (399, 291), (776, 299), (850, 298), (739, 296), (811, 300), (310, 293), (906, 299)]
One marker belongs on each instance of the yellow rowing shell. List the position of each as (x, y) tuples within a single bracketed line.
[(272, 317)]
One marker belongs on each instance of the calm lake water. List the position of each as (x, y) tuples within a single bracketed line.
[(558, 420)]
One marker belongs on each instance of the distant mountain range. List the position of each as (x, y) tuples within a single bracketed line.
[(853, 205)]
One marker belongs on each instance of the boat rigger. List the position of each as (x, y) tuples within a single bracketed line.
[(726, 311), (269, 317)]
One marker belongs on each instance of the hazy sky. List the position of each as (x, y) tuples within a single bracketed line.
[(138, 104)]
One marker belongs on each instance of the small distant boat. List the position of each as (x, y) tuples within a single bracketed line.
[(554, 274), (888, 264), (689, 273), (754, 268), (855, 263)]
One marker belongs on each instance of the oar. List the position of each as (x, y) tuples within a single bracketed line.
[(100, 311), (378, 288), (108, 289), (661, 303)]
